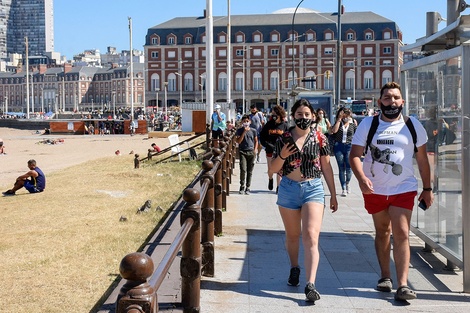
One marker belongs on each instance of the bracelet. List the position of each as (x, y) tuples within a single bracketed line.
[(280, 157), (427, 189)]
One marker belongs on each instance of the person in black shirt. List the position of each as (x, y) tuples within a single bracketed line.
[(247, 139), (270, 132)]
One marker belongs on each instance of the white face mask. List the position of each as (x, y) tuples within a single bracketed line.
[(246, 124)]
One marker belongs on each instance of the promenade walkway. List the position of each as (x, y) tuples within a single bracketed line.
[(252, 266)]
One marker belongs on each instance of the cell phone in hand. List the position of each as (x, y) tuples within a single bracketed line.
[(289, 141), (422, 205)]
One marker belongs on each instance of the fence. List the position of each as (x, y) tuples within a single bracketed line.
[(201, 221)]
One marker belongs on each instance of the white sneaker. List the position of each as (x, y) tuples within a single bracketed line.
[(348, 189), (344, 194)]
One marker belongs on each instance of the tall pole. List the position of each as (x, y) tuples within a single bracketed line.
[(354, 80), (338, 55), (293, 53), (209, 61), (32, 92), (27, 76), (243, 89), (131, 69), (229, 63), (180, 82)]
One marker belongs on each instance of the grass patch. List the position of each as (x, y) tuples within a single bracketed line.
[(61, 249)]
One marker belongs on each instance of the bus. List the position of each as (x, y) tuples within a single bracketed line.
[(320, 100)]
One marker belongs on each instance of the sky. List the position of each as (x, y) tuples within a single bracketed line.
[(96, 24)]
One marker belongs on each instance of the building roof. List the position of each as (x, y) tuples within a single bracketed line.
[(279, 21)]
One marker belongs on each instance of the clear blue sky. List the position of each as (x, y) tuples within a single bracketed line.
[(96, 24)]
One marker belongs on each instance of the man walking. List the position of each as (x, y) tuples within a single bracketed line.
[(387, 181), (247, 139), (257, 122)]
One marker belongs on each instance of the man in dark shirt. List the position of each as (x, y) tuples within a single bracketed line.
[(33, 181), (247, 139)]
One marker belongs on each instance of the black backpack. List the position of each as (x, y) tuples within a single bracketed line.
[(375, 125)]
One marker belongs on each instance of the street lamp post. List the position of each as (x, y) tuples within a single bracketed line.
[(180, 82), (166, 95), (156, 98), (243, 85)]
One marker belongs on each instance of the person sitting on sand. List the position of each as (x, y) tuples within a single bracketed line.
[(34, 180), (2, 147)]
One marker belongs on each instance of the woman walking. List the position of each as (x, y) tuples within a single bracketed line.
[(343, 131), (270, 132), (302, 154)]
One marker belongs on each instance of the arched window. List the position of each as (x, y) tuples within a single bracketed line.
[(274, 81), (350, 80), (257, 81), (289, 77), (172, 82), (155, 78), (239, 81), (328, 80), (310, 75), (222, 82), (188, 82), (368, 80), (386, 77)]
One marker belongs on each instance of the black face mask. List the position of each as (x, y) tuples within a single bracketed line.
[(303, 123), (391, 111)]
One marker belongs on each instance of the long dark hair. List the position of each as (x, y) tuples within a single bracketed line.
[(299, 103)]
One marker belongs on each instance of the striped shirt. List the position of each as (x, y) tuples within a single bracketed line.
[(339, 136), (308, 158)]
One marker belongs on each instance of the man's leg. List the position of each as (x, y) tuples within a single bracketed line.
[(243, 165), (382, 241), (400, 219)]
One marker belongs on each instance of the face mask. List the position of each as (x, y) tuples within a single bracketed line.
[(303, 123), (346, 119), (391, 111), (246, 124), (274, 117)]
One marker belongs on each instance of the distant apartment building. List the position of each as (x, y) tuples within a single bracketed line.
[(95, 58), (26, 18), (269, 53)]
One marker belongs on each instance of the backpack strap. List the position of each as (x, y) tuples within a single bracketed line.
[(411, 128), (372, 130)]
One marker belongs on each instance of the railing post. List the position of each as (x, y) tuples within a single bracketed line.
[(191, 254), (207, 220), (217, 156), (208, 137), (136, 295), (223, 175)]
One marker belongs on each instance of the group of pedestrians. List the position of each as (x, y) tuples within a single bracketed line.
[(380, 157)]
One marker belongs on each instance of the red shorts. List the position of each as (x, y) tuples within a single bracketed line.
[(269, 155), (376, 203)]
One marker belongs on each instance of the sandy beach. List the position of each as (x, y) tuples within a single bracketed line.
[(22, 145)]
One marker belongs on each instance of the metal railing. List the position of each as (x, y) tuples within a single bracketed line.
[(201, 221)]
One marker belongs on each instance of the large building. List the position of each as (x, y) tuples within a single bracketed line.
[(26, 18), (266, 61)]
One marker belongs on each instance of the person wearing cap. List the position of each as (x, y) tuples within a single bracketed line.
[(218, 123), (2, 147)]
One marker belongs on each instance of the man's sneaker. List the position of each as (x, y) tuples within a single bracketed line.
[(8, 193), (242, 189), (271, 184), (247, 191), (344, 194), (294, 276), (348, 189), (311, 293)]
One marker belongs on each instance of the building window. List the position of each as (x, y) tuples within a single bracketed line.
[(239, 38), (154, 41), (310, 84), (386, 77), (387, 35), (350, 36), (188, 40), (275, 38), (290, 51), (222, 39), (368, 50), (188, 54), (257, 81), (257, 38), (239, 52), (310, 51), (204, 39), (350, 51), (328, 51), (171, 54), (256, 52), (368, 80), (274, 52), (387, 50), (368, 63), (310, 37), (328, 36), (188, 82), (222, 53), (387, 62), (222, 82), (171, 40), (368, 36), (350, 63), (172, 82), (155, 79), (154, 55), (273, 81), (239, 81)]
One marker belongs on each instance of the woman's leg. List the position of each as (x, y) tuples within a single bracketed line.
[(312, 215), (339, 156), (291, 220)]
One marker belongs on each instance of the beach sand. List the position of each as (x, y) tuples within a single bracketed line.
[(23, 145)]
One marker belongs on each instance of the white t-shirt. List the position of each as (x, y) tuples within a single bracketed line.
[(389, 161)]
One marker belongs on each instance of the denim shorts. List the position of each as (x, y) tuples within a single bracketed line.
[(293, 194)]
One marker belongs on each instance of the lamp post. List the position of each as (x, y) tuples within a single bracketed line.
[(202, 92), (180, 82), (156, 98), (293, 46), (166, 95), (243, 85), (332, 63)]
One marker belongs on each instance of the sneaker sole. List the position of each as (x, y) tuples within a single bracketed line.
[(312, 296)]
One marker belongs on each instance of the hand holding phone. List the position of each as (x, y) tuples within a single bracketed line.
[(290, 141), (422, 205)]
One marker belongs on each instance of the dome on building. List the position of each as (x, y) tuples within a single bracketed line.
[(291, 11)]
